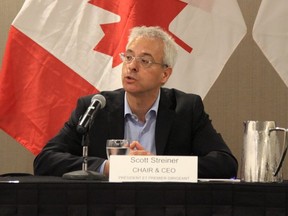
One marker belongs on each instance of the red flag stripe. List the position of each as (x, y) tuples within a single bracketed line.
[(41, 96)]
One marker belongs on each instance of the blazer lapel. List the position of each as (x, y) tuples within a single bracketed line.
[(116, 116), (165, 118)]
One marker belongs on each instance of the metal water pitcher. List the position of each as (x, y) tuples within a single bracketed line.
[(262, 154)]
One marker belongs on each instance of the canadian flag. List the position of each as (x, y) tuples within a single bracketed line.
[(270, 32), (60, 50)]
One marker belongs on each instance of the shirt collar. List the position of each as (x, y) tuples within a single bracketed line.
[(154, 107)]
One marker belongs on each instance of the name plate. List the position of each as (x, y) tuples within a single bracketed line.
[(128, 168)]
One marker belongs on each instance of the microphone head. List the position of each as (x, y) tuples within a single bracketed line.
[(100, 98)]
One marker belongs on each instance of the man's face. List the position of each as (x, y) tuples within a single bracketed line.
[(137, 79)]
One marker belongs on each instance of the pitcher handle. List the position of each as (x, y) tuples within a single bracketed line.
[(285, 147)]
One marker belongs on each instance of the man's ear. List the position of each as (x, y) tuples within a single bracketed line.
[(166, 74)]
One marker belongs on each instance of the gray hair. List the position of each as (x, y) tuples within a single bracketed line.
[(170, 50)]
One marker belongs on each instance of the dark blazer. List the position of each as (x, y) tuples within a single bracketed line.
[(182, 128)]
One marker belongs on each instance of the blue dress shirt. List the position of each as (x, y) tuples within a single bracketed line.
[(143, 132)]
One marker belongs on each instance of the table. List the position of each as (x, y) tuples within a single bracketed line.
[(54, 196)]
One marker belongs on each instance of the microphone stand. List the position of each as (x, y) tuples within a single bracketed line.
[(85, 174)]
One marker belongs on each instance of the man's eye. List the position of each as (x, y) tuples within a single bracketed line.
[(128, 58), (145, 61)]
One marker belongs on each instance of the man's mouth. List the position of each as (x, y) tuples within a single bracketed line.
[(130, 77)]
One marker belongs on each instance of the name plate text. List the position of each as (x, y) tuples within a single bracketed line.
[(130, 168)]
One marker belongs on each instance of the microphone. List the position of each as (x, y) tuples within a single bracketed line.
[(98, 102)]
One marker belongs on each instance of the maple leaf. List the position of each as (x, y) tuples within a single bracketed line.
[(135, 13)]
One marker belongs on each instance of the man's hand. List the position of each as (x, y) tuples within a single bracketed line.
[(137, 149), (106, 168)]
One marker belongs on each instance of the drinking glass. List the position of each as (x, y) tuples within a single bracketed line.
[(117, 147)]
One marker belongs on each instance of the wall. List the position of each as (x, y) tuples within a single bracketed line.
[(247, 89), (13, 156)]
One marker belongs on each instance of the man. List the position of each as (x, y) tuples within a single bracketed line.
[(157, 120)]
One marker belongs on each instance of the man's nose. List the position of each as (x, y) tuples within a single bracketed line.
[(133, 65)]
